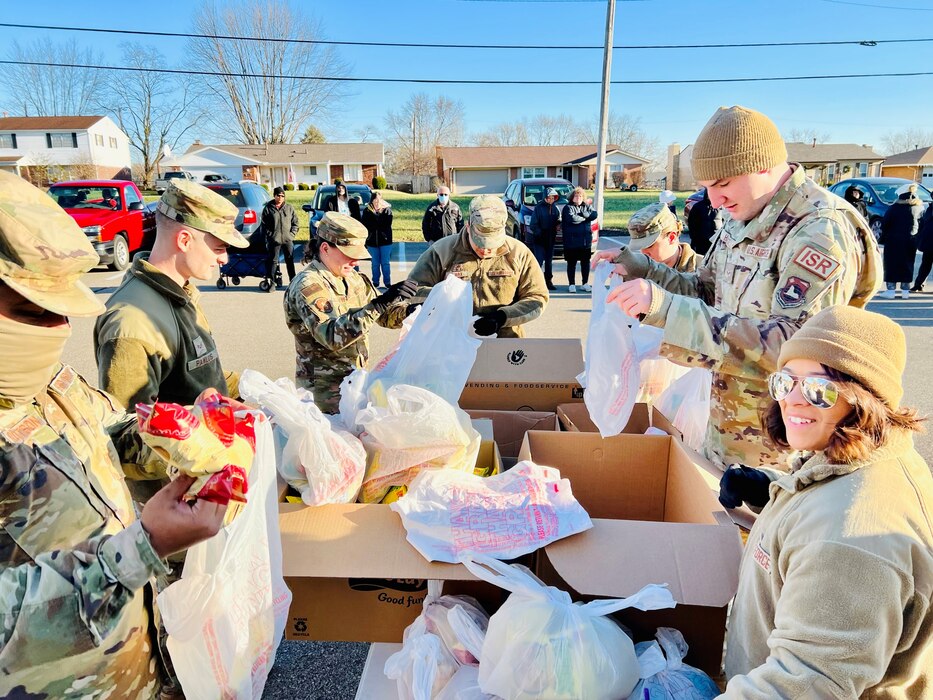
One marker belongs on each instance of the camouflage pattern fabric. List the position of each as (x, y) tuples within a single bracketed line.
[(687, 260), (808, 249), (201, 208), (510, 281), (75, 564), (648, 223)]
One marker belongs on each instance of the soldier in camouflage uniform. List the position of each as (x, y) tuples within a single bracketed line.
[(654, 231), (76, 604), (788, 249), (508, 286), (330, 308)]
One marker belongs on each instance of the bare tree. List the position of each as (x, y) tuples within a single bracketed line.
[(627, 133), (366, 133), (504, 134), (808, 135), (313, 135), (53, 90), (542, 130), (417, 127), (906, 140), (270, 108)]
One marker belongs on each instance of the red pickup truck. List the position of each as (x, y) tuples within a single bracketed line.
[(117, 221)]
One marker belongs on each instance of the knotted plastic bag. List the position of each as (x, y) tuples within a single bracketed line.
[(670, 678)]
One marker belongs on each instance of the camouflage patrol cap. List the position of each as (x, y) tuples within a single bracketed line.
[(647, 225), (203, 209), (43, 252), (488, 218), (346, 233)]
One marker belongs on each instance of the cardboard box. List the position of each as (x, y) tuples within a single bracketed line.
[(575, 417), (524, 374), (655, 520), (509, 428)]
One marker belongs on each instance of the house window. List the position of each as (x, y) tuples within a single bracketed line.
[(113, 142), (862, 169), (7, 140), (311, 170), (61, 140), (99, 139), (537, 171), (352, 172), (831, 172)]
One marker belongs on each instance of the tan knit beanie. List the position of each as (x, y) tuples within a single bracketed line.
[(867, 346), (736, 141)]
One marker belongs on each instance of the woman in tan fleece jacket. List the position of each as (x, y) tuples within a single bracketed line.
[(834, 597)]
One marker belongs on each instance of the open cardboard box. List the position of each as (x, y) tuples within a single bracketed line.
[(655, 520), (524, 374), (575, 417), (509, 428)]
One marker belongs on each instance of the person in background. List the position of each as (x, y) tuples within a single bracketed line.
[(655, 231), (854, 197), (545, 218), (925, 246), (703, 223), (342, 203), (377, 218), (442, 218), (577, 216), (837, 576), (669, 199), (280, 224), (898, 228)]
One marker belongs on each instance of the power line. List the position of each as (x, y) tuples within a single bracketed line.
[(524, 47), (442, 81), (880, 7)]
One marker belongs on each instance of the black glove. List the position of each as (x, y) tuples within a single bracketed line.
[(744, 484), (399, 291), (489, 323), (412, 308)]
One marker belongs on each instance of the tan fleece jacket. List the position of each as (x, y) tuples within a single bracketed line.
[(836, 582)]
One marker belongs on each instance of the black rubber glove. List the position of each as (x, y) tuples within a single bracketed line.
[(400, 291), (489, 323), (744, 484), (411, 308)]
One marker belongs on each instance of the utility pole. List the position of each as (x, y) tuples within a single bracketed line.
[(413, 154), (604, 111)]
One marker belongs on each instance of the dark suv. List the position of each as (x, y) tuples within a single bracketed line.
[(523, 194), (249, 198), (878, 193), (363, 193)]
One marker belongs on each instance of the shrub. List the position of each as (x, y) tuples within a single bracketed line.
[(267, 188), (313, 186), (303, 186), (289, 187), (379, 182)]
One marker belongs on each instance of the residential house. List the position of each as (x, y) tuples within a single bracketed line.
[(916, 165), (826, 163), (51, 149), (278, 164), (489, 169)]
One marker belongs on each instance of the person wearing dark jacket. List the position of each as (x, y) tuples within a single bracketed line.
[(377, 218), (443, 218), (854, 197), (925, 246), (280, 224), (577, 217), (544, 222), (898, 228), (703, 223), (342, 203)]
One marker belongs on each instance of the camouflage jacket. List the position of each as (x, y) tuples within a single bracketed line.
[(687, 259), (808, 249), (330, 318), (511, 281), (75, 564)]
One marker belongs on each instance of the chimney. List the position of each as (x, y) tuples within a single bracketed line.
[(813, 145), (197, 142)]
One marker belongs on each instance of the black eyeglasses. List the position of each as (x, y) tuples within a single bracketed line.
[(818, 391)]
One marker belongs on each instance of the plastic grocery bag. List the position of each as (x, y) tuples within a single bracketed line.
[(542, 646), (448, 515), (655, 372), (226, 616), (670, 678), (411, 431), (686, 404), (438, 351), (324, 464), (464, 685), (611, 378)]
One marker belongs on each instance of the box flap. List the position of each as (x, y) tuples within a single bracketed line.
[(484, 426), (699, 562), (711, 474), (510, 427), (528, 360)]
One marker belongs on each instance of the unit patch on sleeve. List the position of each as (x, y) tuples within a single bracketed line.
[(323, 305), (817, 262), (793, 294)]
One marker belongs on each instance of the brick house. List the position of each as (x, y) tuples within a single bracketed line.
[(916, 165)]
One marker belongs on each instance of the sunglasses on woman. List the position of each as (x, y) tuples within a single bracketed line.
[(818, 391)]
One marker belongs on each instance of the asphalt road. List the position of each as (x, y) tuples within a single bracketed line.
[(250, 331)]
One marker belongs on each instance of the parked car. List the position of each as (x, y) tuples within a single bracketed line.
[(215, 177), (162, 183), (112, 214), (523, 194), (691, 200), (878, 193), (249, 198), (316, 209)]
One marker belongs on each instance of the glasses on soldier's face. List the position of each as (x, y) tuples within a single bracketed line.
[(820, 392)]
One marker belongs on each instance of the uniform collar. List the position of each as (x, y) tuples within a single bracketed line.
[(759, 228), (146, 272), (336, 283)]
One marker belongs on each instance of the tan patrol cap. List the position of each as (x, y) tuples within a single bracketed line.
[(346, 233), (199, 207), (647, 225), (43, 252), (488, 219)]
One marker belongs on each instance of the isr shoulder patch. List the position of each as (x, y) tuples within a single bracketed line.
[(817, 262)]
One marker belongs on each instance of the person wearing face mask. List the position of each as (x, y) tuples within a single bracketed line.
[(788, 249), (655, 231), (76, 563), (442, 218), (508, 285), (837, 577), (330, 308), (342, 203)]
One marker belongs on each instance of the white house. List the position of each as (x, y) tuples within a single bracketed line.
[(278, 164), (52, 149)]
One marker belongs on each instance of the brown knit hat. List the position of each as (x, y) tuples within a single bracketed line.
[(736, 141), (867, 346)]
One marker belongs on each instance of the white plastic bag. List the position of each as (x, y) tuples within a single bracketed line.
[(542, 646), (611, 377), (226, 615), (323, 464), (448, 515), (464, 686), (686, 404), (670, 678)]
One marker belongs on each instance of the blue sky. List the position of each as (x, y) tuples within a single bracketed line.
[(854, 110)]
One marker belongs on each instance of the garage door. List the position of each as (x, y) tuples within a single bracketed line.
[(481, 181)]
